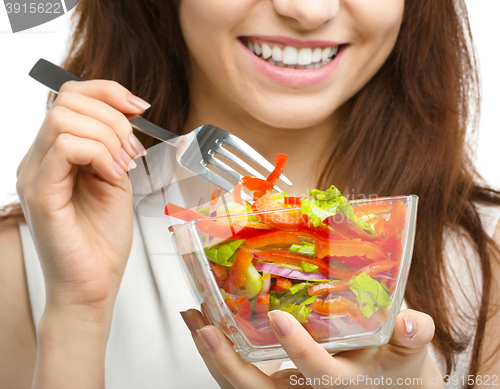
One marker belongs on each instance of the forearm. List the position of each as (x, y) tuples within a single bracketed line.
[(71, 349)]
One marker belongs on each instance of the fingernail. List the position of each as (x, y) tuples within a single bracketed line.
[(280, 322), (210, 339), (118, 169), (138, 102), (411, 327), (191, 324), (128, 161), (137, 145)]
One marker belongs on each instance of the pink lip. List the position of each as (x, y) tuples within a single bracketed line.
[(293, 42), (291, 76)]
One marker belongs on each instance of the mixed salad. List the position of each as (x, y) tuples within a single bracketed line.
[(330, 265)]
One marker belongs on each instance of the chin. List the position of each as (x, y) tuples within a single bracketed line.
[(293, 116)]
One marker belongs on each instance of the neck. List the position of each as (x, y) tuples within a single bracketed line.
[(305, 146)]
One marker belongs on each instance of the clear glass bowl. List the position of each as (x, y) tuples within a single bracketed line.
[(254, 340)]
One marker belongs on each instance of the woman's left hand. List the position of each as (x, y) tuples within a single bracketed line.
[(403, 361)]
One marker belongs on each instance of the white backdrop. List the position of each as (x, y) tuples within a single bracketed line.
[(22, 101)]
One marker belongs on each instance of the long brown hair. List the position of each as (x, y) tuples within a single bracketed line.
[(404, 132)]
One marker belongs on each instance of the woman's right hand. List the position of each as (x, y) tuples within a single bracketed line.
[(76, 196)]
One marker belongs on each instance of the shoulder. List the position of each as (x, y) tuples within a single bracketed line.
[(17, 332)]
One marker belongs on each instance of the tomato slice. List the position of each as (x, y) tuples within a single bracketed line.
[(285, 220)]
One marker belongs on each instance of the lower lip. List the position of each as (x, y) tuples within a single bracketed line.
[(292, 76)]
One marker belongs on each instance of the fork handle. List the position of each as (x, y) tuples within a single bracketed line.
[(53, 77)]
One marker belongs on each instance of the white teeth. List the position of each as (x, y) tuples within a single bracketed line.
[(325, 53), (266, 51), (290, 55), (316, 55), (277, 53), (257, 49), (305, 56)]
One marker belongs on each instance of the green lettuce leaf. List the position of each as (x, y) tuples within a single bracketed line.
[(295, 303), (223, 253), (347, 210), (323, 205), (370, 294), (309, 267), (304, 248)]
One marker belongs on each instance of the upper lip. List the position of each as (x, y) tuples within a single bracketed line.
[(294, 42)]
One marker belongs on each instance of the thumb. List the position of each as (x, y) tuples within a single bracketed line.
[(413, 330)]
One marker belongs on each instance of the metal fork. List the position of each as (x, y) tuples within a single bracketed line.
[(206, 140)]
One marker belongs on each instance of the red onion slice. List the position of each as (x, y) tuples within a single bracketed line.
[(288, 273)]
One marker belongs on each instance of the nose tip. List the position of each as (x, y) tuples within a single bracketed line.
[(308, 13)]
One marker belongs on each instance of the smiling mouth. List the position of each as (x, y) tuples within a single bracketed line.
[(290, 56)]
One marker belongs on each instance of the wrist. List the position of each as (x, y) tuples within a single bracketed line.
[(71, 347)]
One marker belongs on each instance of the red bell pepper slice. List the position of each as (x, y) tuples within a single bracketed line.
[(279, 237), (349, 248), (336, 306), (376, 267), (237, 277), (262, 306), (292, 201), (336, 286), (386, 231), (285, 220), (220, 273), (258, 186), (215, 196), (350, 262), (256, 337), (340, 223), (182, 213), (327, 232), (279, 166), (240, 307), (282, 284), (332, 286), (371, 207), (398, 216)]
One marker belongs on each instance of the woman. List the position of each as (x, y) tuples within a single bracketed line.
[(388, 114)]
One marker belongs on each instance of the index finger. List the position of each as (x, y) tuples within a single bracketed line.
[(109, 92)]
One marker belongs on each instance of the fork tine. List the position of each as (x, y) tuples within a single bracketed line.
[(225, 168), (242, 147), (233, 158)]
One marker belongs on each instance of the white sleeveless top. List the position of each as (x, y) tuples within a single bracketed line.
[(149, 345)]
